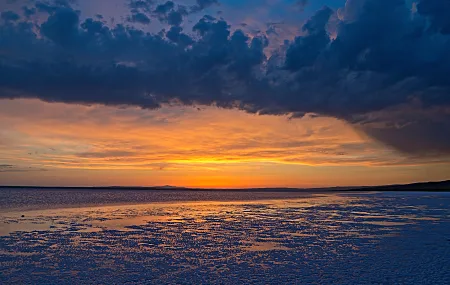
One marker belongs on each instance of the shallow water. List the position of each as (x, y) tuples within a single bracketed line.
[(336, 238)]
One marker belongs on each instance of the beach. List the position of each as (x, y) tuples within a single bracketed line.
[(272, 238)]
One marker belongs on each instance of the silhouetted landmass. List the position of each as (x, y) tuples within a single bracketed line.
[(423, 186)]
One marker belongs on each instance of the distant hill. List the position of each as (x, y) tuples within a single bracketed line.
[(422, 186)]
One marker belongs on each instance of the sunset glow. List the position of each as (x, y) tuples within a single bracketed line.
[(57, 144)]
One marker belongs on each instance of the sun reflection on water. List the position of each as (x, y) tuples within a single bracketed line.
[(214, 236)]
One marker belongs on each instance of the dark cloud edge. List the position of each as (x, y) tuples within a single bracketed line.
[(387, 76)]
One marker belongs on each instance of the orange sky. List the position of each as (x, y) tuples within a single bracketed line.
[(58, 144)]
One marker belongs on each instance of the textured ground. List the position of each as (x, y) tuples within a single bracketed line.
[(324, 239)]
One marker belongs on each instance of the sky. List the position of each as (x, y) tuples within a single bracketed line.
[(224, 93)]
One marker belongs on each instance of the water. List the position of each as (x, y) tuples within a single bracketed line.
[(148, 237), (31, 199)]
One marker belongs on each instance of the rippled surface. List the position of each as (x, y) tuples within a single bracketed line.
[(395, 238)]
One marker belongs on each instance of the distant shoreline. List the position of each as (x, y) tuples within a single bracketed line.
[(441, 186)]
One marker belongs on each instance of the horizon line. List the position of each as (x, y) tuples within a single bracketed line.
[(180, 188)]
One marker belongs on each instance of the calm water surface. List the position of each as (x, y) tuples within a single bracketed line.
[(148, 237)]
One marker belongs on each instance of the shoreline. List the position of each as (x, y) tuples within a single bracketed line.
[(438, 186)]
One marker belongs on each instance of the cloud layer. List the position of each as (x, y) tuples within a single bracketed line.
[(381, 65)]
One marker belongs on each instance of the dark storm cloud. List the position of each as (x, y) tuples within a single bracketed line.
[(62, 27), (367, 63), (305, 50), (140, 18), (28, 12), (9, 16), (437, 11), (418, 138), (163, 9), (175, 34)]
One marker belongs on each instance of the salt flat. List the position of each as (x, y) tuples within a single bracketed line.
[(334, 238)]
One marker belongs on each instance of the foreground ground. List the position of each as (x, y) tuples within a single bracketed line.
[(372, 238)]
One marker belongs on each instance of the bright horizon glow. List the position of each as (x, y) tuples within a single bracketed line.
[(56, 144)]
